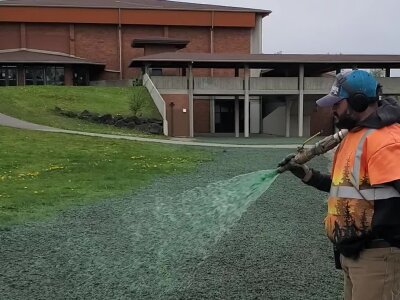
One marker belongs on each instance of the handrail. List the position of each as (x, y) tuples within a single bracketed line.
[(158, 100)]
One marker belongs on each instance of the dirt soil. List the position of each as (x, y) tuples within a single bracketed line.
[(277, 250)]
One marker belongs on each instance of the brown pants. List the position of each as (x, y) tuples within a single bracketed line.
[(374, 276)]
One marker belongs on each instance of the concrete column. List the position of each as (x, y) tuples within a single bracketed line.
[(288, 109), (256, 43), (237, 109), (255, 119), (301, 99), (212, 114), (261, 115), (246, 101), (191, 129)]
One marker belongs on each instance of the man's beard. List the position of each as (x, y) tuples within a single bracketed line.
[(345, 121)]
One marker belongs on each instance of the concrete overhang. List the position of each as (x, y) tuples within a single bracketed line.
[(314, 63), (33, 56)]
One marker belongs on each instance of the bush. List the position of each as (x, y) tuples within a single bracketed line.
[(138, 102)]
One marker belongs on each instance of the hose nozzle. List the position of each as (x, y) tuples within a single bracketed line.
[(306, 154)]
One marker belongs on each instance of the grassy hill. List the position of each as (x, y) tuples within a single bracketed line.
[(43, 173), (36, 104)]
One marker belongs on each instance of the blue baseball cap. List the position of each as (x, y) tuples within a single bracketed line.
[(350, 83)]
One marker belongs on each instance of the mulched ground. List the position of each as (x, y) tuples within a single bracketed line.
[(277, 250)]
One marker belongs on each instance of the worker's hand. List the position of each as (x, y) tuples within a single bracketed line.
[(301, 171)]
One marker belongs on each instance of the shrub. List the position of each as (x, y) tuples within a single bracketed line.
[(138, 102)]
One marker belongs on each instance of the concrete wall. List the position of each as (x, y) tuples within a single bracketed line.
[(275, 122)]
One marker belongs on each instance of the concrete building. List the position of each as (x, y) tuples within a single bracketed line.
[(280, 102)]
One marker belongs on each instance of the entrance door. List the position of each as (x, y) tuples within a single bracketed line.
[(225, 116)]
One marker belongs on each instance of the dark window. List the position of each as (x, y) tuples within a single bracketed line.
[(8, 76), (49, 75), (34, 76), (156, 72), (54, 75), (81, 77)]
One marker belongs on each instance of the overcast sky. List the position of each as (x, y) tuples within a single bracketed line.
[(326, 26)]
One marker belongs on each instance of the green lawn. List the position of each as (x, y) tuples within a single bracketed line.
[(41, 173), (36, 104)]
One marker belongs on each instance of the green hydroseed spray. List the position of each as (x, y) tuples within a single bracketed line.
[(196, 219)]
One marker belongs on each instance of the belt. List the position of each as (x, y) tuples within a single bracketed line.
[(379, 243)]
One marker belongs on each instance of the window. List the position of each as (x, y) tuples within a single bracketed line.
[(8, 76), (34, 76), (54, 75), (49, 75), (155, 72), (81, 76)]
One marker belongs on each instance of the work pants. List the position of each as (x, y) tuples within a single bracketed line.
[(375, 275)]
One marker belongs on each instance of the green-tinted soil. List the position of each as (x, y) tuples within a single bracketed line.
[(109, 250)]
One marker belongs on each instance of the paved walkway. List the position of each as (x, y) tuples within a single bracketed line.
[(16, 123)]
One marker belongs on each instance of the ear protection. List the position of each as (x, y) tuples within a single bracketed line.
[(357, 100)]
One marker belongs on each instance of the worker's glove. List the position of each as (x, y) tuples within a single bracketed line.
[(301, 171)]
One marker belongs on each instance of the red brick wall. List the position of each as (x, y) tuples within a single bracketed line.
[(50, 37), (129, 33), (231, 40), (178, 121), (10, 37), (201, 116), (200, 42), (98, 43)]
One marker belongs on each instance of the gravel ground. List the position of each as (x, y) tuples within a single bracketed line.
[(277, 250)]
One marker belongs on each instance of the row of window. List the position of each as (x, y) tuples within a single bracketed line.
[(49, 75)]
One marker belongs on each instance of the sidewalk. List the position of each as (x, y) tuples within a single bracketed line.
[(225, 142)]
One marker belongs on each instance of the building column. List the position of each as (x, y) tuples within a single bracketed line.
[(20, 75), (237, 109), (212, 114), (191, 130), (68, 75), (288, 109), (246, 101), (301, 99), (387, 72)]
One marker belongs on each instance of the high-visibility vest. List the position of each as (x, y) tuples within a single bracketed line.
[(351, 203)]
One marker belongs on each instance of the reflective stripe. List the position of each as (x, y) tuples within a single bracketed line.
[(355, 176), (374, 193), (378, 192)]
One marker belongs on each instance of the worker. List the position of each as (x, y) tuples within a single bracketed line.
[(363, 218)]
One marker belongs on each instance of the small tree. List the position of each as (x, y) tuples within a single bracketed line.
[(138, 102)]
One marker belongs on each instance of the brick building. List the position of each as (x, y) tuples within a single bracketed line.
[(78, 41)]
